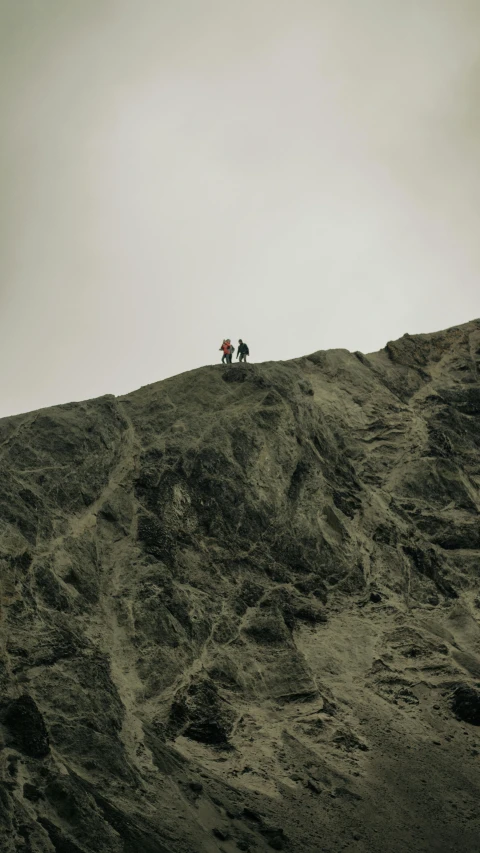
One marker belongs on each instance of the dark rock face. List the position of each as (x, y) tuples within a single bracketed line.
[(466, 704), (240, 610), (27, 727)]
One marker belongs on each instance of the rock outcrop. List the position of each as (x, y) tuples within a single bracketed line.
[(240, 610)]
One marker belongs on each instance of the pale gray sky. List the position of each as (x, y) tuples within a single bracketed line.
[(304, 174)]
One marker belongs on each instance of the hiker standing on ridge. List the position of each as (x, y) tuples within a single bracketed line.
[(225, 348), (230, 354), (242, 351)]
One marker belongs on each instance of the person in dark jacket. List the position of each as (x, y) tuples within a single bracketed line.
[(242, 351)]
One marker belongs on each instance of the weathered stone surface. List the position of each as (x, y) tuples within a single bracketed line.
[(264, 577)]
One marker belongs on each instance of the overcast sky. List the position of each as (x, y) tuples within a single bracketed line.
[(303, 174)]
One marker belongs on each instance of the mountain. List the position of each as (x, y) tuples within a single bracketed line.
[(240, 610)]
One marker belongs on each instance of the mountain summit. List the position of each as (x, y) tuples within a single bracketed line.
[(241, 610)]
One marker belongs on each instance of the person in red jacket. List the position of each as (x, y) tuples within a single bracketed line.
[(225, 348)]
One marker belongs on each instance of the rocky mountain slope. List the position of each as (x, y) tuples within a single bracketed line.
[(240, 610)]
